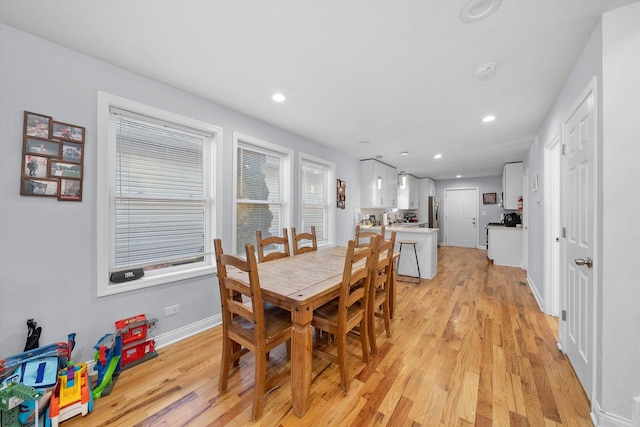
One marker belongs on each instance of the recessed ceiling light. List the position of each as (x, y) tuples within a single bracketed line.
[(458, 176), (437, 156), (278, 97), (477, 10), (488, 119), (404, 153), (364, 142)]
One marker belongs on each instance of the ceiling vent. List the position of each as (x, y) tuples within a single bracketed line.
[(486, 71)]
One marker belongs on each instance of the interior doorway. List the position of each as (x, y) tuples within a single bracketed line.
[(461, 217)]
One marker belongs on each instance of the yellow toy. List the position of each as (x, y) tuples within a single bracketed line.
[(72, 396)]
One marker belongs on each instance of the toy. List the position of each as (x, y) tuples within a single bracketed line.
[(136, 348), (10, 399), (108, 357), (38, 369), (72, 395)]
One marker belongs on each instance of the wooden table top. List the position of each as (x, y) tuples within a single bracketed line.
[(302, 279)]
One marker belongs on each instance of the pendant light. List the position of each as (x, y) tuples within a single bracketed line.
[(403, 173)]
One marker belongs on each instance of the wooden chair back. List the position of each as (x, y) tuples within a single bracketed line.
[(363, 236), (232, 290), (262, 243), (299, 244), (380, 296)]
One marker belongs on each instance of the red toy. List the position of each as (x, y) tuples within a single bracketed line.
[(136, 347)]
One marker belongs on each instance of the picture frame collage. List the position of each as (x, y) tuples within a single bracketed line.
[(52, 158)]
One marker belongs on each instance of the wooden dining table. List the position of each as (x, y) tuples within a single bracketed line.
[(300, 284)]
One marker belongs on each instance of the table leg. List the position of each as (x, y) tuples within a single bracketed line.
[(301, 358)]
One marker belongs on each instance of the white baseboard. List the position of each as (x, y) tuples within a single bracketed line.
[(187, 331), (536, 294), (601, 418), (482, 247)]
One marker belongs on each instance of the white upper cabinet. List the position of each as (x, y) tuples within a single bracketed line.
[(409, 196), (378, 184), (511, 185)]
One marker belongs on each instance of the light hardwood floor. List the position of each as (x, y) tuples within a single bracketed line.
[(468, 348)]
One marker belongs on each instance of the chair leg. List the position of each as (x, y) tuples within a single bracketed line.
[(342, 361), (386, 314), (364, 327), (372, 331), (259, 384), (225, 364)]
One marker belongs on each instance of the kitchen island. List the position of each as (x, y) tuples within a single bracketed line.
[(426, 248)]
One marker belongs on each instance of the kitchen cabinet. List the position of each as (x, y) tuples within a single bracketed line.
[(504, 245), (378, 184), (511, 185), (409, 196)]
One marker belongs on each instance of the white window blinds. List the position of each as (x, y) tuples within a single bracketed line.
[(259, 190), (160, 194), (314, 198)]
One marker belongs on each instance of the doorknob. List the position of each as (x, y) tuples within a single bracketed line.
[(588, 262)]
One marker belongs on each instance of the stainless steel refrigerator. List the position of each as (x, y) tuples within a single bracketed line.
[(433, 205)]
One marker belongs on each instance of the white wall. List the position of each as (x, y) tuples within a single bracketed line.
[(48, 248), (620, 191)]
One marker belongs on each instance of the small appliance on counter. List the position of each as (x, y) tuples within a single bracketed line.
[(511, 220)]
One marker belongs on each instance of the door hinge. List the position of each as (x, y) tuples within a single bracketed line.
[(564, 149), (564, 232), (564, 315)]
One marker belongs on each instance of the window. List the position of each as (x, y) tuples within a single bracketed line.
[(317, 183), (155, 195), (262, 172)]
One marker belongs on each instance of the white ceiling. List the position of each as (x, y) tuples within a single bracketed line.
[(397, 73)]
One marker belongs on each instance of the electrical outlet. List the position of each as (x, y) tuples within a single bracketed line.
[(172, 310)]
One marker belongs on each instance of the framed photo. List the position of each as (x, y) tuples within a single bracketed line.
[(58, 169), (70, 190), (37, 125), (71, 152), (41, 147), (67, 132), (39, 187), (341, 194), (489, 198), (34, 166)]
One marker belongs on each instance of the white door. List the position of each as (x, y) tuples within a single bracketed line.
[(579, 137), (461, 225)]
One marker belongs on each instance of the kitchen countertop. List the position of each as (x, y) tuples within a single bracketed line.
[(406, 228), (503, 227)]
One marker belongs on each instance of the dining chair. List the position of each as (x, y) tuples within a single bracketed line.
[(366, 234), (256, 327), (272, 240), (299, 246), (347, 312), (380, 295)]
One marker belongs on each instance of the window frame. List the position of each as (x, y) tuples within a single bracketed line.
[(286, 155), (105, 199), (330, 194)]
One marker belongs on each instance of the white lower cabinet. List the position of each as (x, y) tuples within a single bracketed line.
[(504, 245)]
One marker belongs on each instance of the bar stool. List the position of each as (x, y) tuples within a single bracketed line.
[(415, 251)]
